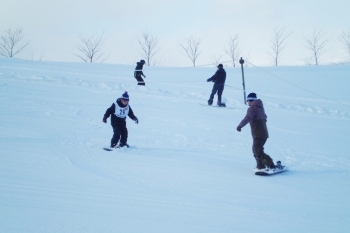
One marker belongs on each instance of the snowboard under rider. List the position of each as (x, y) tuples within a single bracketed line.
[(257, 118), (138, 73), (219, 79), (118, 112)]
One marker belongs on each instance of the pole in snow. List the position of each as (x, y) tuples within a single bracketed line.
[(241, 61)]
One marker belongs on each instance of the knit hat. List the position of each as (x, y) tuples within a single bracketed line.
[(125, 96), (220, 66), (251, 97)]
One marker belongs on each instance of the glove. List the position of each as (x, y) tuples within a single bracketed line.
[(144, 76), (104, 120), (208, 80), (239, 128), (136, 121)]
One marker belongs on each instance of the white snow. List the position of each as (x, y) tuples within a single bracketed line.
[(188, 169)]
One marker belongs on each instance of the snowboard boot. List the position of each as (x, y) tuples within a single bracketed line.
[(123, 144), (259, 167), (271, 168), (113, 145), (221, 104), (210, 102)]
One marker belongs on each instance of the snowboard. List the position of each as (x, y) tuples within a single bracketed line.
[(271, 172), (279, 168), (108, 149), (115, 148), (217, 106)]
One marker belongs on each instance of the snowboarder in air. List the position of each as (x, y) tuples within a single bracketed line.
[(219, 79), (118, 112), (257, 118), (138, 73)]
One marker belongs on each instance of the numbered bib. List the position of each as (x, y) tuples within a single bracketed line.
[(121, 112)]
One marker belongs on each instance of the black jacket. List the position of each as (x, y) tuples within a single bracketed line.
[(219, 77), (115, 121), (138, 69)]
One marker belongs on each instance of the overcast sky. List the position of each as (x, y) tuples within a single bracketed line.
[(53, 27)]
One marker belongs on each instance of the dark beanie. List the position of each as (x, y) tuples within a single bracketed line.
[(220, 66), (251, 97), (125, 96)]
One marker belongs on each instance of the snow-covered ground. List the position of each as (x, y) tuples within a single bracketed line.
[(188, 169)]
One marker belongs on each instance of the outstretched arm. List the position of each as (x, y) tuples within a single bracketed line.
[(109, 111), (132, 116), (212, 79), (248, 118)]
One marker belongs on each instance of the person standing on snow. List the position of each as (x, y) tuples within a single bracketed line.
[(219, 79), (138, 73), (118, 112), (257, 118)]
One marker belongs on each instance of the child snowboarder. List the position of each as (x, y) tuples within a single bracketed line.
[(118, 112), (138, 73), (219, 79), (257, 118)]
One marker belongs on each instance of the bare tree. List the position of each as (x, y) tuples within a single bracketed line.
[(149, 47), (316, 44), (345, 39), (9, 44), (233, 50), (192, 49), (277, 44), (90, 48)]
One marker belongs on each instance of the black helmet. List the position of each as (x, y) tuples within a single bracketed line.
[(220, 66), (142, 61)]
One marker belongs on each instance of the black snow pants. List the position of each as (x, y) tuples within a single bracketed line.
[(119, 132), (217, 88), (139, 78)]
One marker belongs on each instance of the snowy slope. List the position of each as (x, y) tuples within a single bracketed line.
[(188, 169)]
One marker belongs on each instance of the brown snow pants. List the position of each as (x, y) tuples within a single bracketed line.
[(261, 158)]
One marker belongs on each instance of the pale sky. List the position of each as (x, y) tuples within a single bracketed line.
[(53, 27)]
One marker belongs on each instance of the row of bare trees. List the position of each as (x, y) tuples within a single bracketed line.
[(90, 48), (149, 45), (315, 43)]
